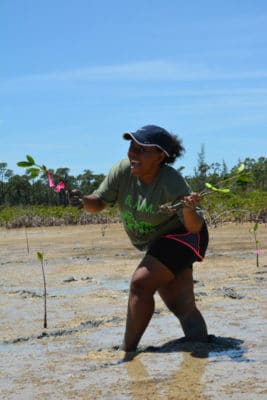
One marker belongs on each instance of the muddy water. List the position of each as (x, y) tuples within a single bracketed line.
[(78, 356)]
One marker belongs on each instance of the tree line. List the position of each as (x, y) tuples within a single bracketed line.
[(20, 190)]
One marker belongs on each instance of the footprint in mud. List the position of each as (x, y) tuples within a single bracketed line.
[(26, 294), (65, 332), (229, 292), (199, 295), (72, 279), (261, 278)]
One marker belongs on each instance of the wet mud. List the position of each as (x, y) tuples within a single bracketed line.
[(78, 356)]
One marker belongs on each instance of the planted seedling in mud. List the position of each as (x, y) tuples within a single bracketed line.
[(40, 257), (27, 241), (254, 230)]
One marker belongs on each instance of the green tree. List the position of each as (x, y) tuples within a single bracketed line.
[(85, 181), (18, 190), (88, 182), (259, 173), (197, 182), (5, 174), (98, 178)]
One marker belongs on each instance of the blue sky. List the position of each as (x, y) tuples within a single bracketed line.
[(76, 74)]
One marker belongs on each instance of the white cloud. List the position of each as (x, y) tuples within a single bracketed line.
[(143, 71)]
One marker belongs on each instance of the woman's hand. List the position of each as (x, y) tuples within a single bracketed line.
[(90, 203), (75, 198), (192, 200)]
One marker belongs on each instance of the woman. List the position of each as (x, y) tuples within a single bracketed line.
[(141, 185)]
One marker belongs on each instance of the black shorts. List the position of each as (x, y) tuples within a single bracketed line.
[(178, 251)]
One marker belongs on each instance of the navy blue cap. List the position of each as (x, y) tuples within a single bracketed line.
[(152, 135)]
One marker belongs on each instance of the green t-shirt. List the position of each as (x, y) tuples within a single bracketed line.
[(139, 203)]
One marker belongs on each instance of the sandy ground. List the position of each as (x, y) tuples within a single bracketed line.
[(88, 269)]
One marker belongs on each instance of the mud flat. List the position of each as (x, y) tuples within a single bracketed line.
[(88, 269)]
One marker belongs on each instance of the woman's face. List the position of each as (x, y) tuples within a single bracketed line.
[(145, 161)]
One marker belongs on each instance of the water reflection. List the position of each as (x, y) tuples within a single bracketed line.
[(186, 380), (184, 383)]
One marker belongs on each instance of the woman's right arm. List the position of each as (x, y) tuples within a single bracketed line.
[(90, 203), (107, 190)]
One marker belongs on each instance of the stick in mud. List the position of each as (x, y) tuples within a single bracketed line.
[(40, 257)]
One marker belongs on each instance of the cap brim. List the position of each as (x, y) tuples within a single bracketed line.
[(131, 136), (127, 136), (134, 136)]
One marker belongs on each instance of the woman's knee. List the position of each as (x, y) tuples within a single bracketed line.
[(137, 286), (149, 276), (140, 284)]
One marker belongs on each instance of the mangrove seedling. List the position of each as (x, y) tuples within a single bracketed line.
[(34, 170), (40, 257), (254, 230), (238, 177), (27, 241)]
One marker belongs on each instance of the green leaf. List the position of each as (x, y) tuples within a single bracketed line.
[(211, 187), (40, 256), (222, 190), (241, 168), (44, 169), (208, 185), (30, 159), (24, 164), (254, 228), (244, 178), (34, 172)]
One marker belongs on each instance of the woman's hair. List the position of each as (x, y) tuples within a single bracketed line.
[(176, 151)]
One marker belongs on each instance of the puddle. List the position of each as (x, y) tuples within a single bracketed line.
[(79, 356)]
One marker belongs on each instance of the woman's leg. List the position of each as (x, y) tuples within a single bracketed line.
[(147, 278), (178, 295)]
